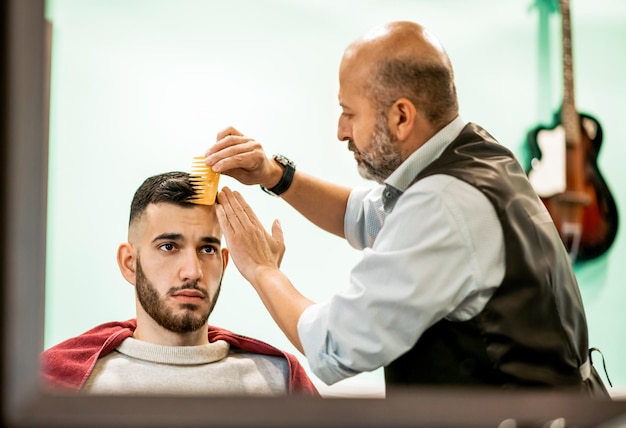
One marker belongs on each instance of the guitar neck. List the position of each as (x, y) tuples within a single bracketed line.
[(569, 114)]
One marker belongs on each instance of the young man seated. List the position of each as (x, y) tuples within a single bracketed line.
[(175, 260)]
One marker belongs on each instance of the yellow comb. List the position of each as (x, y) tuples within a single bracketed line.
[(204, 182)]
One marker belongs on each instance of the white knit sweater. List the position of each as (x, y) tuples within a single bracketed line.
[(137, 367)]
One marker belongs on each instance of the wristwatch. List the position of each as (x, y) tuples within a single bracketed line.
[(286, 179)]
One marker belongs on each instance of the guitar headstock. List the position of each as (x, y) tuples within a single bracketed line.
[(550, 6)]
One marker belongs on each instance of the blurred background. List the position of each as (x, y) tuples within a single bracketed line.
[(139, 87)]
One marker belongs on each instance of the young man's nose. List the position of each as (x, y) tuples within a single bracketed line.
[(191, 268)]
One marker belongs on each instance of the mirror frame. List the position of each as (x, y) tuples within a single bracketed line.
[(25, 96)]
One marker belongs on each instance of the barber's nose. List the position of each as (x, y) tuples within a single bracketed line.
[(343, 131)]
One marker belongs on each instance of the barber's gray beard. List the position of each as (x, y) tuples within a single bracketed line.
[(383, 156), (154, 306)]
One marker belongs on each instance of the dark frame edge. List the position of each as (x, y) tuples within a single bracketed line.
[(25, 94)]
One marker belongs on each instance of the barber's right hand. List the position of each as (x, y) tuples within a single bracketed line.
[(243, 159)]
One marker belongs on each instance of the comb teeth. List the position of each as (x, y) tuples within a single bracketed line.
[(204, 182)]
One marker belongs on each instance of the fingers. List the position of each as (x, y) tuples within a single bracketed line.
[(249, 243), (236, 155), (238, 213), (229, 141), (225, 213), (222, 219), (230, 212), (277, 231), (226, 138), (228, 131), (277, 235)]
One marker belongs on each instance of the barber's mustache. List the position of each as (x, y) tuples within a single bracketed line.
[(352, 146)]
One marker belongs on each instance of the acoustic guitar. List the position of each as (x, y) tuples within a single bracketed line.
[(565, 173)]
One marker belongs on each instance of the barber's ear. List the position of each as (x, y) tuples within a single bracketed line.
[(402, 116), (127, 262)]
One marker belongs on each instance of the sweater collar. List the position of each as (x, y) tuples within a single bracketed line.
[(175, 355)]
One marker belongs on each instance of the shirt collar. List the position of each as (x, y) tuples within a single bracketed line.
[(402, 177)]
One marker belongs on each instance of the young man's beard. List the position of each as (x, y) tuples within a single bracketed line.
[(155, 306), (383, 156)]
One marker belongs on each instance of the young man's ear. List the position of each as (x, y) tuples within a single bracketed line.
[(402, 117), (224, 259), (127, 262)]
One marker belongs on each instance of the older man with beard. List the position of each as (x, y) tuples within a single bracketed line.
[(175, 260), (463, 279)]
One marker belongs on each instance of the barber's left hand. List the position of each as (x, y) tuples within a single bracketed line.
[(251, 247)]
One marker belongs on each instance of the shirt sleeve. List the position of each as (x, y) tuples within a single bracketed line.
[(439, 254)]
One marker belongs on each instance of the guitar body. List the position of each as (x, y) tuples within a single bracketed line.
[(564, 169), (597, 217)]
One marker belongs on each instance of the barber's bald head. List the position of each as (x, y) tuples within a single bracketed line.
[(400, 39), (403, 59)]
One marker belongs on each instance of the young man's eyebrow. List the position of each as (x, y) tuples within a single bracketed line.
[(211, 240), (179, 237), (169, 237)]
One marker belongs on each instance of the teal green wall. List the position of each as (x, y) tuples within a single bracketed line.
[(141, 86)]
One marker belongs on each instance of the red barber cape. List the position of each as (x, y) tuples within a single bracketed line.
[(69, 364)]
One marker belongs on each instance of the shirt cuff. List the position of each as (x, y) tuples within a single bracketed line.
[(318, 346)]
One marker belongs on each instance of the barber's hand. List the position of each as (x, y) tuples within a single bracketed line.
[(243, 159), (251, 247)]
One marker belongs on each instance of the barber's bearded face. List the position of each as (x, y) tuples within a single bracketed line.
[(191, 318), (382, 156)]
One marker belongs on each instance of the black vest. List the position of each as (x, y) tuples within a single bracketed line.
[(533, 331)]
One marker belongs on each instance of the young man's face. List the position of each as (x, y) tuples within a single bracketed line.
[(179, 264)]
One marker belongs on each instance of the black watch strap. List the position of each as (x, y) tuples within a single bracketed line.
[(286, 179)]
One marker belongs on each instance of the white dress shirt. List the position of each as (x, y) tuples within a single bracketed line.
[(437, 253)]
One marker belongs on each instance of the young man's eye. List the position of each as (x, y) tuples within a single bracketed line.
[(167, 247), (209, 249)]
